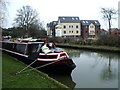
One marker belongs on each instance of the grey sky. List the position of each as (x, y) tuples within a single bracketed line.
[(49, 10)]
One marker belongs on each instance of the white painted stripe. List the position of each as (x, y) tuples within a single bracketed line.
[(14, 52), (46, 59)]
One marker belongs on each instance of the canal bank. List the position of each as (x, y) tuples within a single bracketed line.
[(32, 79), (90, 47)]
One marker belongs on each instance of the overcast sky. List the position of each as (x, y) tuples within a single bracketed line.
[(49, 10)]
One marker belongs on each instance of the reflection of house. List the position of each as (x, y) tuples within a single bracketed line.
[(90, 28), (70, 26), (115, 31), (51, 28)]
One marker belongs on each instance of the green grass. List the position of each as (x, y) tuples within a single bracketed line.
[(32, 79)]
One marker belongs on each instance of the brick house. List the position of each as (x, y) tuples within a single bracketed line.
[(115, 31), (90, 28), (103, 32)]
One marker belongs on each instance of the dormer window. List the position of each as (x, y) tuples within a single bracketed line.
[(86, 21), (63, 18), (96, 22), (73, 18), (76, 18), (83, 21)]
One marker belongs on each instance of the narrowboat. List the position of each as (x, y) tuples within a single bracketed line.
[(45, 54)]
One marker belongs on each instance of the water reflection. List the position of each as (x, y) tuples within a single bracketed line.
[(109, 73), (94, 69), (73, 52)]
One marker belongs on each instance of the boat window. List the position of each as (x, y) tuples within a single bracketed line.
[(21, 48), (33, 48)]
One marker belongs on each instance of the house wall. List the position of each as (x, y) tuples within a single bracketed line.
[(71, 29), (91, 29), (58, 31), (85, 31), (115, 32)]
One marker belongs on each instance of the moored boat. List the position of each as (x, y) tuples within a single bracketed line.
[(46, 55)]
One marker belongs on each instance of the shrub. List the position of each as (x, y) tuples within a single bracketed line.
[(109, 40)]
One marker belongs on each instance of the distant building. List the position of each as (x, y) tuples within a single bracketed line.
[(103, 32), (115, 31), (90, 28), (51, 28), (69, 26)]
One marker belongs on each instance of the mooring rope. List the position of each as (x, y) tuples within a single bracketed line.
[(23, 70), (26, 66)]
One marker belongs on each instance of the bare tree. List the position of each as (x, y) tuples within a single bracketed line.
[(27, 18), (3, 9), (108, 14)]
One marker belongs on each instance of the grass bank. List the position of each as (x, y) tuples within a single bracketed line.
[(90, 47), (32, 79)]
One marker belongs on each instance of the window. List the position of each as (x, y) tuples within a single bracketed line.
[(64, 32), (69, 31), (64, 26), (72, 31), (72, 18), (76, 18), (77, 31), (91, 26), (83, 21), (86, 21), (76, 26), (70, 26), (63, 18), (96, 22)]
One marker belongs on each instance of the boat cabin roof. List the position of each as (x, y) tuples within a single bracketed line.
[(35, 42), (23, 42)]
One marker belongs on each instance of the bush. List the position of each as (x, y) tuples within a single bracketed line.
[(109, 40)]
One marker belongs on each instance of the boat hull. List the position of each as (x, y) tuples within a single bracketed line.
[(60, 67)]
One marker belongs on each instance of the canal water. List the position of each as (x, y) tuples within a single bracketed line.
[(93, 70)]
